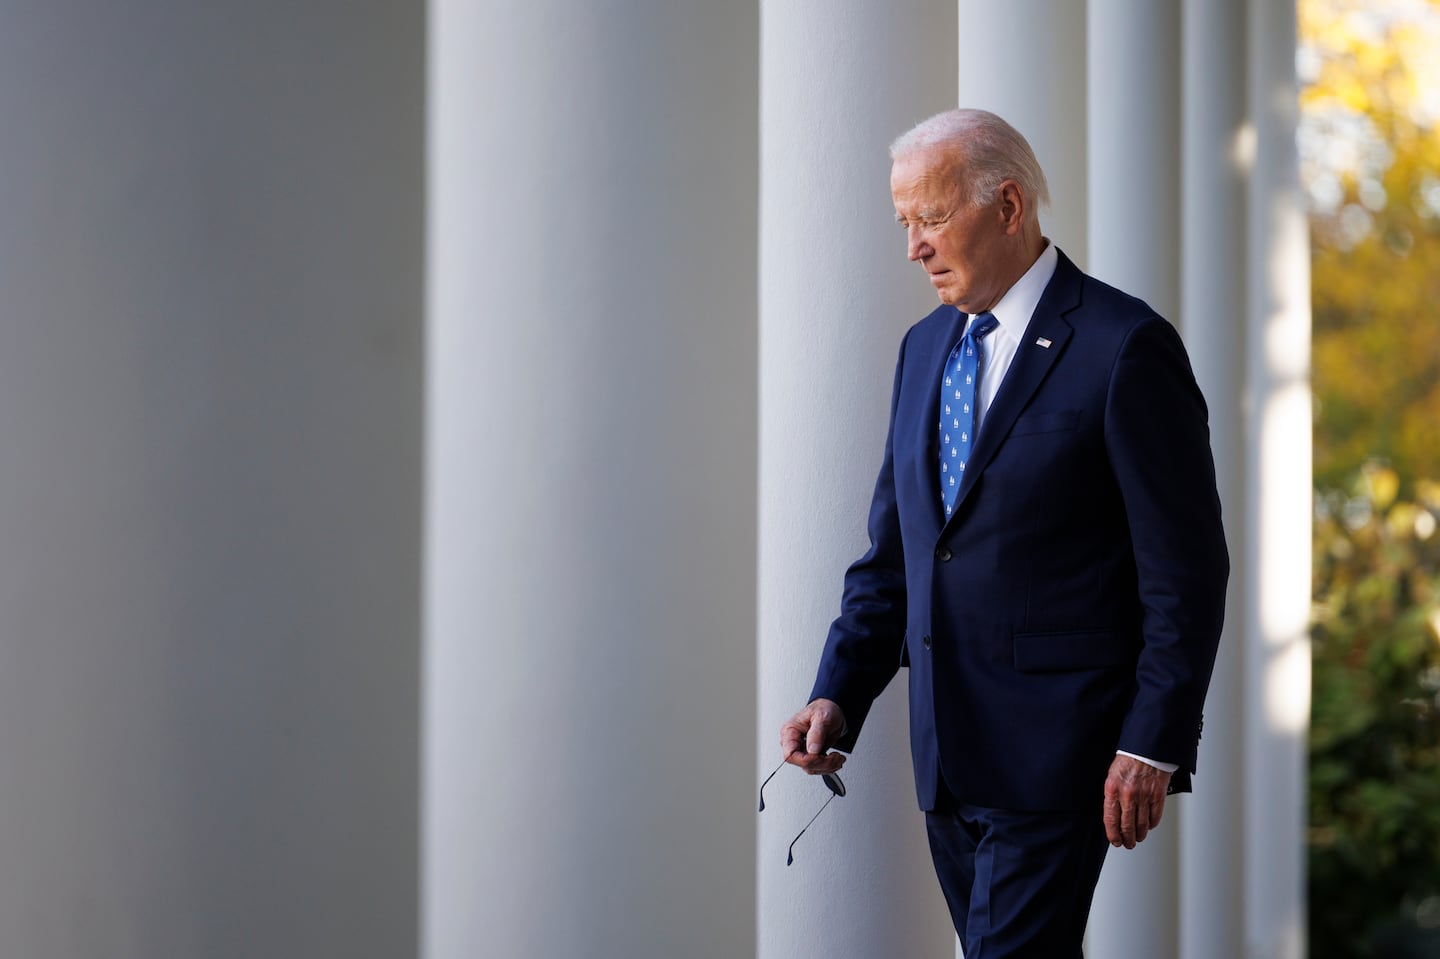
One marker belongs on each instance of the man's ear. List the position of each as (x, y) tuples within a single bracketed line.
[(1011, 207)]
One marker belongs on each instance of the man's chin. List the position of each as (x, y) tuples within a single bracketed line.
[(947, 294), (952, 298)]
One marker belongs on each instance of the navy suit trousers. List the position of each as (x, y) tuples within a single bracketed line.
[(1019, 884)]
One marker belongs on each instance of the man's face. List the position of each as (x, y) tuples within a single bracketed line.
[(960, 245)]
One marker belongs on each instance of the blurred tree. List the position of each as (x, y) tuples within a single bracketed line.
[(1370, 154)]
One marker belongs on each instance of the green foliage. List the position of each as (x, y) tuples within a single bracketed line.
[(1374, 832)]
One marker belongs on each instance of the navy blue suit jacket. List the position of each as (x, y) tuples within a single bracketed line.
[(1072, 604)]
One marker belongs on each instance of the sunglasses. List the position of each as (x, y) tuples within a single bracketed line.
[(831, 781)]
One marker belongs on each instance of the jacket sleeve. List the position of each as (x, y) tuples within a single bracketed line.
[(1158, 441), (862, 651)]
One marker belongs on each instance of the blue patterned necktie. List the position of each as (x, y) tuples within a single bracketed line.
[(958, 390)]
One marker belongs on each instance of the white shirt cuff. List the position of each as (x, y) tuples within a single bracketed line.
[(1163, 767)]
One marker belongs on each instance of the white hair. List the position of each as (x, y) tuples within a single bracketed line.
[(991, 150)]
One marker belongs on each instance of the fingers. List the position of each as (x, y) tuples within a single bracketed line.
[(815, 739), (1134, 801), (1148, 810), (818, 765), (792, 735), (1112, 818), (1140, 818), (806, 737), (1119, 814)]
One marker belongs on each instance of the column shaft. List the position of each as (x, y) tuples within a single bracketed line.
[(1045, 101), (1212, 319), (1278, 499), (210, 389), (589, 672)]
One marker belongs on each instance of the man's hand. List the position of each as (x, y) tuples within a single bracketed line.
[(1134, 800), (807, 736)]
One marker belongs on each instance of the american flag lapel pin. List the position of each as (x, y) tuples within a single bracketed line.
[(1042, 341)]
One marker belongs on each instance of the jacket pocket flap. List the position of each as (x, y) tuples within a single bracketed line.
[(1073, 649)]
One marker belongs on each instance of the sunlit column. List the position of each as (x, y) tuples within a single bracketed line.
[(839, 82), (590, 597), (1134, 197), (1278, 499), (1217, 156), (1045, 100)]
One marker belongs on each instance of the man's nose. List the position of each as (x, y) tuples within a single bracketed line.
[(918, 248)]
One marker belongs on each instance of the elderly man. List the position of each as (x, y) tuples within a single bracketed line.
[(1046, 554)]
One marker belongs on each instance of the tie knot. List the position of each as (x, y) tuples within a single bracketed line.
[(983, 325)]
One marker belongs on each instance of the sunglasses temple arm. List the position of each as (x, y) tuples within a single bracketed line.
[(767, 782), (790, 853)]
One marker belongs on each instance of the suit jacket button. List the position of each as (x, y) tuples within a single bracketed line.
[(943, 554), (925, 642)]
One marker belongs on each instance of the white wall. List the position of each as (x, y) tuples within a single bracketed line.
[(210, 302)]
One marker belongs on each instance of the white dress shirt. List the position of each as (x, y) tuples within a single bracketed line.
[(1012, 314)]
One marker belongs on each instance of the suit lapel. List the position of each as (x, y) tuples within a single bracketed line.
[(1027, 371)]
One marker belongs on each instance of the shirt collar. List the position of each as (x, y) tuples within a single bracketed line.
[(1013, 311)]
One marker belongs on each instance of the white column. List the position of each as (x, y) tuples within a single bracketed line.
[(1278, 498), (838, 83), (1215, 164), (1045, 101), (590, 599), (1134, 139), (210, 387)]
